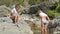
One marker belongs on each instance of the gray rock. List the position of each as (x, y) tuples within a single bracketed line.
[(7, 27), (25, 17), (56, 20), (55, 26), (4, 11), (5, 19), (30, 19)]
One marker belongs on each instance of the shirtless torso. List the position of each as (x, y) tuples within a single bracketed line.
[(43, 17)]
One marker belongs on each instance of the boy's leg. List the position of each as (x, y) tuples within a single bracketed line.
[(43, 29), (46, 29), (18, 19), (13, 18), (13, 21)]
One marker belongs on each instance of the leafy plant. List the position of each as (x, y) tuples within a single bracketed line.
[(58, 8), (33, 2), (52, 14)]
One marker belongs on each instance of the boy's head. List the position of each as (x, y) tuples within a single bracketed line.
[(17, 6), (39, 11)]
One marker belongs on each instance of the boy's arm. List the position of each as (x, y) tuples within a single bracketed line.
[(40, 19), (48, 18)]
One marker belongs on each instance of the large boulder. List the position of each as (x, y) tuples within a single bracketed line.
[(54, 26), (7, 27), (5, 19), (31, 19), (33, 22), (4, 11), (56, 20)]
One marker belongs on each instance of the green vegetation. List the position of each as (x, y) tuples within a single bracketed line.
[(55, 12), (34, 2), (52, 14), (58, 8), (21, 2), (11, 2)]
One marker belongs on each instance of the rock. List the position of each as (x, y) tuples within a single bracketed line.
[(5, 19), (25, 28), (31, 19), (4, 11), (25, 17), (55, 26), (56, 20), (57, 29), (10, 28), (35, 26), (33, 22)]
